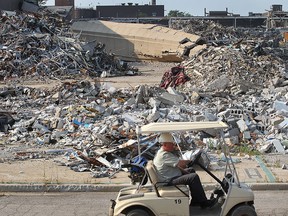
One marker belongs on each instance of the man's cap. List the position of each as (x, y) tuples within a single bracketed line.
[(166, 137)]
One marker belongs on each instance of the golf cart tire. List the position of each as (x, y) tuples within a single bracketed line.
[(138, 212), (243, 210)]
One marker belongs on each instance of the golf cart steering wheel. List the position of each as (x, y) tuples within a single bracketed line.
[(197, 155)]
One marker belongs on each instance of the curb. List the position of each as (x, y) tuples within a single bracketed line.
[(61, 187), (110, 187), (257, 186), (269, 186)]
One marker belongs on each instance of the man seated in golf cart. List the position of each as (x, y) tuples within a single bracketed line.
[(173, 170)]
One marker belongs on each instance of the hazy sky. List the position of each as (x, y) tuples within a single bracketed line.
[(194, 7)]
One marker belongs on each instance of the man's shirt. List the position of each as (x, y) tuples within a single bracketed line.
[(166, 165)]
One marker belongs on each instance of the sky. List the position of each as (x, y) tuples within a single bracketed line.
[(194, 7)]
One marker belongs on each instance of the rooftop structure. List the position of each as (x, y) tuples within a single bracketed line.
[(276, 17)]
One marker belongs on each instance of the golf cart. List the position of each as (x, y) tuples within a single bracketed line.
[(233, 198)]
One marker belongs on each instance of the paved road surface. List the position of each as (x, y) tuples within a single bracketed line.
[(267, 203)]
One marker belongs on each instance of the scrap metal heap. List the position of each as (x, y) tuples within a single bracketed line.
[(40, 46), (93, 125)]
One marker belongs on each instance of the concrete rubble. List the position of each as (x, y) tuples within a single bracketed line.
[(41, 47), (93, 125), (245, 80)]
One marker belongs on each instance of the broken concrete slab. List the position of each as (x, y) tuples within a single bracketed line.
[(242, 125), (170, 99), (277, 145)]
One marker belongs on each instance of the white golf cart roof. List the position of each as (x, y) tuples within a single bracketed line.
[(180, 126)]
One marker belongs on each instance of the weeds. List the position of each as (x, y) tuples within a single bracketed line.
[(246, 149)]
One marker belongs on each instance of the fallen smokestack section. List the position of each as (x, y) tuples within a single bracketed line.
[(134, 41)]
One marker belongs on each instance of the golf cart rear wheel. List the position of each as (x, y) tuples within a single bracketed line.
[(138, 212), (243, 210)]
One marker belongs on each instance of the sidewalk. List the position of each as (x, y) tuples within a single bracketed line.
[(47, 176)]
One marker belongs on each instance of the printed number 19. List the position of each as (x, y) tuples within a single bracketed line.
[(177, 201)]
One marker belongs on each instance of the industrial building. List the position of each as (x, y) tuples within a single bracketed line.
[(124, 10), (153, 13), (16, 5), (130, 11), (276, 17)]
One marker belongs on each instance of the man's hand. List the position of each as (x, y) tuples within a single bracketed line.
[(183, 163)]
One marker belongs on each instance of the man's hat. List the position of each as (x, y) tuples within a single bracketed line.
[(166, 137)]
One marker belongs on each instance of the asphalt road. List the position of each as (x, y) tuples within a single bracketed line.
[(267, 203)]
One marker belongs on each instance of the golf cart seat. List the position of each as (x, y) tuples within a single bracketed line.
[(162, 188)]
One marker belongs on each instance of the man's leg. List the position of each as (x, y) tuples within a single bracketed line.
[(195, 186)]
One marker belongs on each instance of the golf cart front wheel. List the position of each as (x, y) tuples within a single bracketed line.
[(138, 212), (243, 210)]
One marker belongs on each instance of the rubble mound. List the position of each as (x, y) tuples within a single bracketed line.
[(236, 59), (41, 46), (209, 30), (94, 125), (217, 35), (228, 69)]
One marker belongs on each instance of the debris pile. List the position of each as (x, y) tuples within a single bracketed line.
[(245, 81), (40, 47), (216, 35), (207, 29), (228, 69), (94, 125)]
